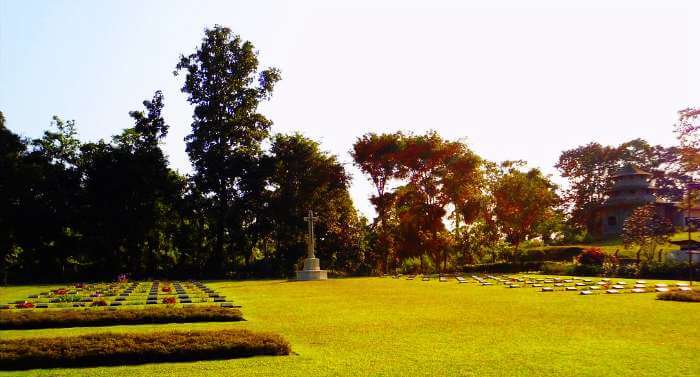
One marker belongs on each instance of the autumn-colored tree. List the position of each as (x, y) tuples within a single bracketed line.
[(646, 229), (523, 200), (688, 132), (376, 155)]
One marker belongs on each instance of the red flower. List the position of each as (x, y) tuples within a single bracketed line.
[(169, 300), (24, 305)]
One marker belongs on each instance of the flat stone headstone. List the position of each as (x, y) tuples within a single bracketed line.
[(33, 296), (547, 289), (119, 299), (42, 306), (186, 301), (661, 285), (486, 283), (183, 296), (586, 293), (116, 303), (537, 285), (612, 291), (638, 290), (595, 287), (4, 307), (227, 305), (640, 286), (618, 287), (685, 289), (580, 284), (152, 297), (558, 284), (219, 299), (78, 305), (513, 286), (681, 284), (151, 302), (571, 289)]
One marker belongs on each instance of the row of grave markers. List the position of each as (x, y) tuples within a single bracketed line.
[(584, 286), (118, 294)]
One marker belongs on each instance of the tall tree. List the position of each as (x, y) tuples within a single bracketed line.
[(12, 149), (223, 83), (305, 178), (523, 200), (377, 156), (688, 132)]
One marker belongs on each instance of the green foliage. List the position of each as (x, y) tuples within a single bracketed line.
[(523, 201), (121, 349), (557, 268), (223, 83)]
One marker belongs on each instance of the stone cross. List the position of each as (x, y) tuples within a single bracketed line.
[(310, 237)]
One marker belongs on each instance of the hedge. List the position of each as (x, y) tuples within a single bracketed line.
[(123, 349), (692, 296), (554, 254), (39, 319)]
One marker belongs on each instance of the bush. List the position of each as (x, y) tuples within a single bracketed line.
[(556, 254), (35, 319), (121, 349), (692, 296), (587, 270), (557, 268), (502, 267), (591, 256)]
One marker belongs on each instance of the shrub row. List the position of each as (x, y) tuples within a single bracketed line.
[(556, 254), (692, 296), (122, 349), (503, 267), (37, 319)]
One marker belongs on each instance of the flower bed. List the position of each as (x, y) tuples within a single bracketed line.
[(33, 319), (121, 349)]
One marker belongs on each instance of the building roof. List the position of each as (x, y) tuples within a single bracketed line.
[(629, 169)]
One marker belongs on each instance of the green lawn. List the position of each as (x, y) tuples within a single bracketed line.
[(383, 326)]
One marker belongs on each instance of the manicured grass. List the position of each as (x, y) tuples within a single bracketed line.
[(38, 318), (384, 326), (123, 349)]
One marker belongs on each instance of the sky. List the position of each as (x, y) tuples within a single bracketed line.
[(513, 79)]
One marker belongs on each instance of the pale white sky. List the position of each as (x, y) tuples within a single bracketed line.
[(514, 79)]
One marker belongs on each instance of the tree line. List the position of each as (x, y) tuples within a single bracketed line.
[(91, 210)]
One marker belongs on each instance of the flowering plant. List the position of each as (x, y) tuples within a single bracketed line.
[(60, 291), (169, 300), (24, 305), (166, 289), (592, 255)]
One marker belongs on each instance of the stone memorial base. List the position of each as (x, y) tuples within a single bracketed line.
[(312, 270)]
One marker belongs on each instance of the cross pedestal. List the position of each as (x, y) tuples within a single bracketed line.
[(312, 265)]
